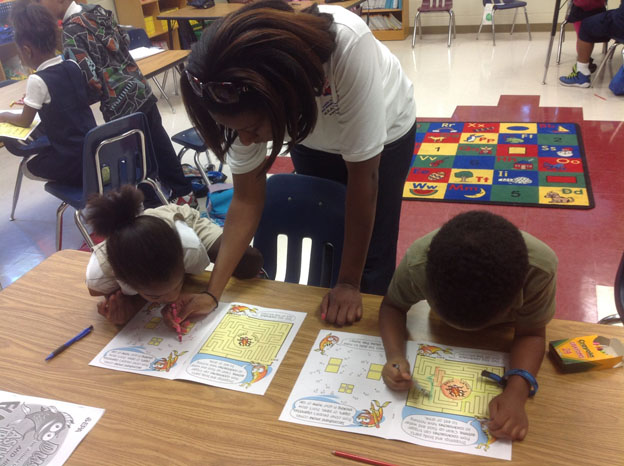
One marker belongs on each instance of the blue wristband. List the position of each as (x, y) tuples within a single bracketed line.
[(502, 381), (526, 375)]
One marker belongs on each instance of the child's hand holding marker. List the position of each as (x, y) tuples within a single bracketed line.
[(188, 307), (396, 374)]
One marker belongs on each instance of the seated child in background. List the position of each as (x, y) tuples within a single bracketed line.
[(92, 37), (57, 91), (146, 255), (601, 27), (477, 271)]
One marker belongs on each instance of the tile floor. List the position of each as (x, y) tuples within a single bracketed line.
[(470, 81)]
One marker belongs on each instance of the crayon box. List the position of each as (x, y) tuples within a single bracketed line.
[(586, 353)]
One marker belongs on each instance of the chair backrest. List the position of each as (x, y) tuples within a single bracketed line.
[(116, 153), (436, 5), (619, 289), (138, 38), (299, 207)]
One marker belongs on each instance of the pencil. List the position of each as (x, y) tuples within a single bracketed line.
[(361, 459)]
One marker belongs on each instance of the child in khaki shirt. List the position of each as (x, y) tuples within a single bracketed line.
[(478, 270)]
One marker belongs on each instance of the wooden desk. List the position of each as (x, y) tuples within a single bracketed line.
[(219, 10), (160, 62), (574, 419), (12, 92)]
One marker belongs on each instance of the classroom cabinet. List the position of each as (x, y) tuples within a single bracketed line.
[(143, 13), (388, 19)]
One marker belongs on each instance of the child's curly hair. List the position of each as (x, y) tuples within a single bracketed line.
[(141, 249), (476, 264)]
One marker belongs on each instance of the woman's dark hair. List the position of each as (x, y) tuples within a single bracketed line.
[(141, 249), (34, 25), (277, 55), (476, 265)]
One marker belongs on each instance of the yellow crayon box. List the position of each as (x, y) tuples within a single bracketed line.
[(586, 353)]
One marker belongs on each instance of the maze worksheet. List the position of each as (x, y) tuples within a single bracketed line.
[(238, 347), (340, 387)]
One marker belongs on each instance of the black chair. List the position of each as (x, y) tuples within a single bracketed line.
[(299, 207), (618, 289), (114, 154)]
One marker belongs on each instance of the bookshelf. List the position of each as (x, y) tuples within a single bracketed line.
[(380, 17), (143, 13)]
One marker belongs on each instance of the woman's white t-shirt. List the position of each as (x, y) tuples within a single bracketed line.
[(367, 101)]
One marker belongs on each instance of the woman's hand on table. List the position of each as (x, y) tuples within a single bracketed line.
[(342, 305)]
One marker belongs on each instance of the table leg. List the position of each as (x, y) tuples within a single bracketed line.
[(553, 32)]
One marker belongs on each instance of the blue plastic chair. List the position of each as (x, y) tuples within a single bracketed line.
[(190, 139), (23, 150), (116, 153), (505, 5), (299, 207)]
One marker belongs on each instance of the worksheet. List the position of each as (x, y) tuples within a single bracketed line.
[(340, 387), (8, 130), (41, 431), (238, 346)]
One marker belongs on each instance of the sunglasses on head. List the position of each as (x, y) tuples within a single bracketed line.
[(219, 92)]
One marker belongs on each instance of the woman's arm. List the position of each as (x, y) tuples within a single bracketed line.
[(240, 225), (343, 304)]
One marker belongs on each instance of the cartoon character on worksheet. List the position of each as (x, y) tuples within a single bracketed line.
[(327, 342)]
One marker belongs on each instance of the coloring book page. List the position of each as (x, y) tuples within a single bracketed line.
[(237, 346), (340, 387), (41, 431), (9, 130)]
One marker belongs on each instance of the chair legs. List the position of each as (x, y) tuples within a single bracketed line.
[(513, 25), (493, 28), (607, 57), (203, 173), (18, 187), (155, 186), (59, 225), (451, 26), (526, 17), (416, 22), (83, 228), (418, 28), (561, 39)]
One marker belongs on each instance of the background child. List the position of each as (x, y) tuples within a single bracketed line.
[(477, 271), (92, 38), (57, 91), (146, 255)]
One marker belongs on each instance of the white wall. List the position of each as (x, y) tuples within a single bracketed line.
[(468, 12)]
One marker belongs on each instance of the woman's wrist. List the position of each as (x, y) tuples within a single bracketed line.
[(214, 298)]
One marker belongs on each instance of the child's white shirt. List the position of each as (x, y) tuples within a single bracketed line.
[(37, 93), (195, 262)]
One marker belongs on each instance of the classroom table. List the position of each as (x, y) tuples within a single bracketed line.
[(219, 10), (11, 93), (574, 419), (160, 62)]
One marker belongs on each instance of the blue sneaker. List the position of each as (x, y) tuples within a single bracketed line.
[(575, 79)]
